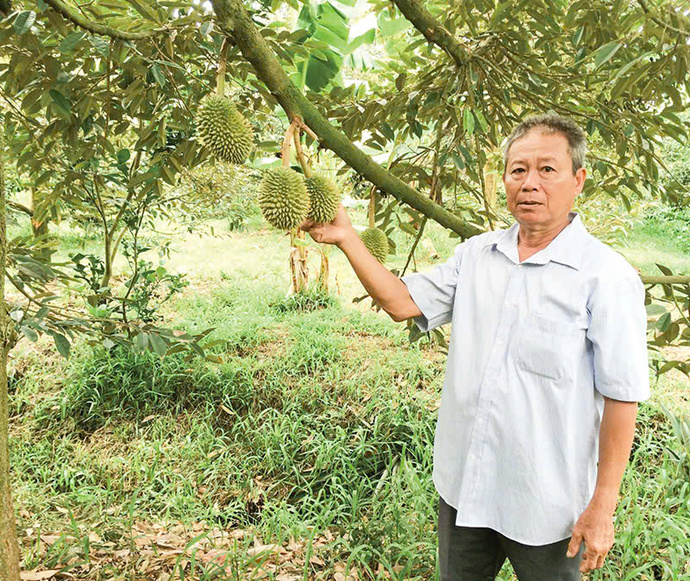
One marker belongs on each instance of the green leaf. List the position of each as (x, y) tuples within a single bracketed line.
[(367, 38), (100, 44), (391, 26), (663, 323), (158, 343), (468, 121), (206, 28), (141, 9), (665, 269), (158, 75), (604, 53), (142, 340), (577, 38), (70, 42), (29, 333), (61, 101), (23, 21), (62, 344)]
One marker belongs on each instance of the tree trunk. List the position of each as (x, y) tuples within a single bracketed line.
[(9, 549)]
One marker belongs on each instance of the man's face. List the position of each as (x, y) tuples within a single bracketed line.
[(539, 180)]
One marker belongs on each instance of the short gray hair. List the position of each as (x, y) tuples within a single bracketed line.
[(552, 123)]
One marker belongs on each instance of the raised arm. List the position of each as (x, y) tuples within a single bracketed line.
[(381, 284)]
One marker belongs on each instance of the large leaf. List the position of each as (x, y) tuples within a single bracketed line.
[(61, 101), (390, 26), (605, 53), (24, 21)]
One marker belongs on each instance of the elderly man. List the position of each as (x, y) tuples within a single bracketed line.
[(547, 360)]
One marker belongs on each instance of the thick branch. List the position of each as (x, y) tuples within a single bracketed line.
[(237, 23), (87, 24), (425, 23), (679, 279)]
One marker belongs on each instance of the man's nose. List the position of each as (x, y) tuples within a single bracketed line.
[(531, 180)]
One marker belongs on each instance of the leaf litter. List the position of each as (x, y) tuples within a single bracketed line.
[(157, 552)]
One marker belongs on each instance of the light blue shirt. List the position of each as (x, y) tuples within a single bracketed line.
[(534, 347)]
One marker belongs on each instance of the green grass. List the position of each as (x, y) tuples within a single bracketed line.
[(315, 433)]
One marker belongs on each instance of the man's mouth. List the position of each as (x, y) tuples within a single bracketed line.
[(529, 204)]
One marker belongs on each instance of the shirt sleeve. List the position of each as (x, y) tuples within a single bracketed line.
[(434, 291), (618, 333)]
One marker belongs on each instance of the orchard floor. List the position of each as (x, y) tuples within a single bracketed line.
[(306, 454)]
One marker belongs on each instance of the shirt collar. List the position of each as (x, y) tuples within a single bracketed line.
[(565, 248)]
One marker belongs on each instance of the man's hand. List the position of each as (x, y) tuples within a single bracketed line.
[(595, 528), (335, 232)]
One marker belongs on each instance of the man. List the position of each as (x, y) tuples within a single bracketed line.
[(547, 360)]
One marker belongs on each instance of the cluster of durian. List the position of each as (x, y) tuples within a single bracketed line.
[(287, 198), (224, 130)]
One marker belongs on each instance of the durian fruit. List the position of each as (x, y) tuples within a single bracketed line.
[(224, 130), (324, 198), (283, 198), (376, 242)]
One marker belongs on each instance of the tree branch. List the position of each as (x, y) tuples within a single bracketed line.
[(20, 207), (677, 279), (425, 23), (648, 12), (87, 24), (236, 22)]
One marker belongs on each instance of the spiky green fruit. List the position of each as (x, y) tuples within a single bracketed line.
[(283, 198), (324, 198), (224, 130), (376, 242)]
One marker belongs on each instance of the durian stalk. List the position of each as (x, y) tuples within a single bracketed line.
[(220, 79), (300, 154), (285, 151), (298, 256), (308, 131), (302, 270), (306, 168)]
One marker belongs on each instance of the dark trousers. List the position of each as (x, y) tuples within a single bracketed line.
[(477, 554)]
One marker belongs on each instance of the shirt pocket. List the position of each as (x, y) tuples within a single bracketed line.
[(547, 347)]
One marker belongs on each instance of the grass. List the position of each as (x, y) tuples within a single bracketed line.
[(306, 453)]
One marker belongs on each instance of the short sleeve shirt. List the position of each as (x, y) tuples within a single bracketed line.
[(534, 348)]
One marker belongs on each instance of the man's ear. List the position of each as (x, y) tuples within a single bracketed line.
[(580, 177)]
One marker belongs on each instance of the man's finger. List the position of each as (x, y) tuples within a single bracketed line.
[(589, 560), (600, 561), (306, 225), (574, 545)]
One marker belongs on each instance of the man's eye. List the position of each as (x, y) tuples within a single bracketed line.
[(548, 168), (518, 170)]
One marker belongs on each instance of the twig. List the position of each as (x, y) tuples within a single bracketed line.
[(414, 245)]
